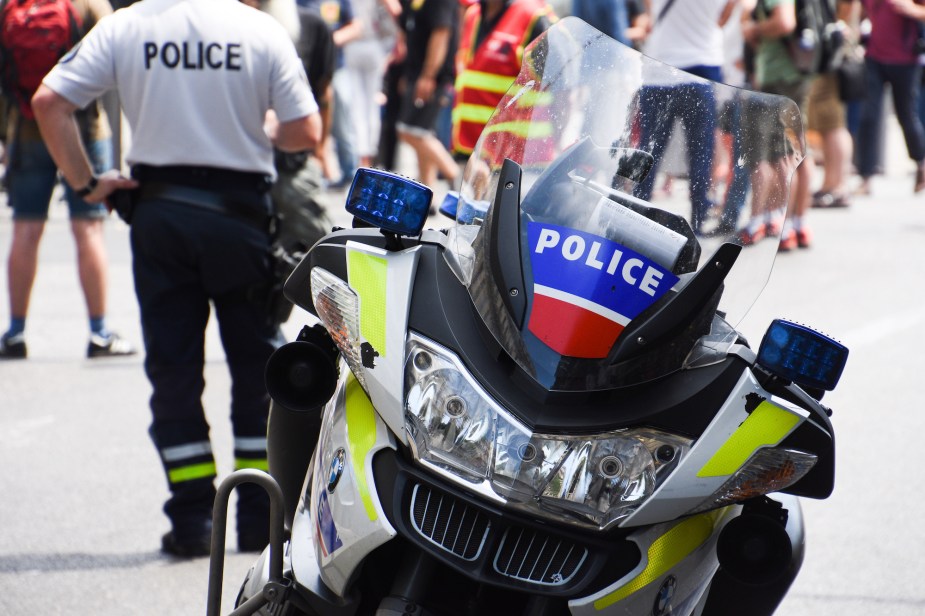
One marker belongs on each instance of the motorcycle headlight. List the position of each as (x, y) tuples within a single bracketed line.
[(592, 480)]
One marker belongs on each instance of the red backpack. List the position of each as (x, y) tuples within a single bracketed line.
[(34, 34)]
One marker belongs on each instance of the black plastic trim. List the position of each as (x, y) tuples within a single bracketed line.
[(610, 555), (729, 596), (504, 247), (682, 308), (682, 402), (328, 253)]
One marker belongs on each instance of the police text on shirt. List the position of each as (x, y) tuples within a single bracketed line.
[(195, 56)]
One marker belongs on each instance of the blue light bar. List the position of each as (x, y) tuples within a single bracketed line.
[(466, 212), (802, 355), (390, 202)]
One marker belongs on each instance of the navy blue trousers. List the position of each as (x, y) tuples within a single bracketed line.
[(187, 261), (905, 82), (694, 104)]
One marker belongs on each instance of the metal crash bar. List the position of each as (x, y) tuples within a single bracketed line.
[(276, 585)]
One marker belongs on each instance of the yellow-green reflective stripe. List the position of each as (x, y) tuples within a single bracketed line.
[(260, 464), (472, 113), (766, 426), (193, 471), (361, 436), (666, 552), (367, 276), (522, 129), (484, 81)]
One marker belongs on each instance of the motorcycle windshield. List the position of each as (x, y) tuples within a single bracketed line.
[(587, 274)]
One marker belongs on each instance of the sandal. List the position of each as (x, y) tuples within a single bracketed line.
[(829, 200)]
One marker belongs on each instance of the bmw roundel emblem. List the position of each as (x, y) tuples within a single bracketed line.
[(337, 468), (662, 605)]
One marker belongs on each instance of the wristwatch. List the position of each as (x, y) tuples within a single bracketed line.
[(89, 188)]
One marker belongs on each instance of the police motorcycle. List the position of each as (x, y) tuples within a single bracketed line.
[(545, 408)]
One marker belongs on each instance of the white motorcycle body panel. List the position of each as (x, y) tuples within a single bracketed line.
[(690, 484), (344, 520), (340, 520), (383, 282)]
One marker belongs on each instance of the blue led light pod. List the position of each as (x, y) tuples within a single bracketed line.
[(802, 355), (388, 201), (466, 212)]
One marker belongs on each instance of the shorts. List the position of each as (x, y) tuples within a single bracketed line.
[(32, 175), (760, 122), (422, 120), (825, 111), (797, 91)]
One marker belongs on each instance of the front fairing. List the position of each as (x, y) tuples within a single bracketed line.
[(569, 255)]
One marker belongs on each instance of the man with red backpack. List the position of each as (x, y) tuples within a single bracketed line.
[(34, 34)]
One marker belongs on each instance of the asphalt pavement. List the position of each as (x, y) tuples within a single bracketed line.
[(81, 487)]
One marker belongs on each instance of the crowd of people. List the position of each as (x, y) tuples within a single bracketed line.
[(359, 78), (442, 52)]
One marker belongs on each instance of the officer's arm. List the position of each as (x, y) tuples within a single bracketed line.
[(296, 135), (55, 117)]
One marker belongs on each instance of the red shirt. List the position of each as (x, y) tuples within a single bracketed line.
[(892, 36)]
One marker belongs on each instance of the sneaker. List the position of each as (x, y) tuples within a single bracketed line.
[(13, 347), (788, 241), (113, 345), (181, 546), (772, 228), (830, 200), (804, 238), (919, 178), (747, 238)]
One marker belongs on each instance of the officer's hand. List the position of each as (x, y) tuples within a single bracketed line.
[(108, 183)]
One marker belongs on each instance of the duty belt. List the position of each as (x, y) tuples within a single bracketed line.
[(251, 212)]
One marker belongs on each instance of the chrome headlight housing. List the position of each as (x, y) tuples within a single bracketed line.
[(591, 480)]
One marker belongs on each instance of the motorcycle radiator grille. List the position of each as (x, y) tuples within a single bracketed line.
[(448, 523), (534, 557)]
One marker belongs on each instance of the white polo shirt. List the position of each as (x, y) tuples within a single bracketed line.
[(688, 35), (195, 77)]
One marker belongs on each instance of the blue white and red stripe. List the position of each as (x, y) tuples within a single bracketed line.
[(586, 289)]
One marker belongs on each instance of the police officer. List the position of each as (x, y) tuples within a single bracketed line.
[(208, 88)]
